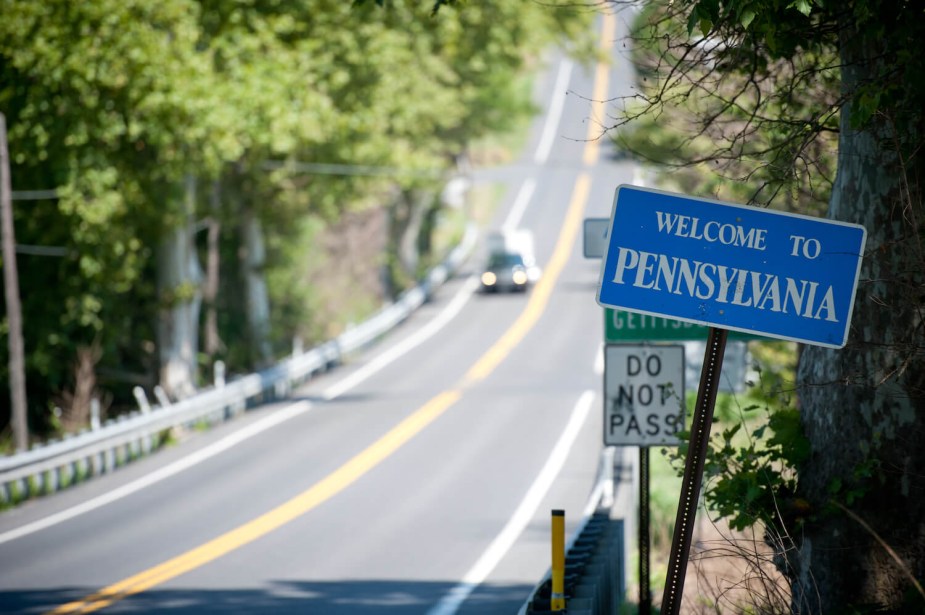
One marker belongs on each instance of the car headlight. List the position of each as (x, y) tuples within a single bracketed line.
[(489, 278), (520, 277)]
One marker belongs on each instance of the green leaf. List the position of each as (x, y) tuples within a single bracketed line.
[(692, 20), (801, 5), (730, 433), (746, 18), (705, 26)]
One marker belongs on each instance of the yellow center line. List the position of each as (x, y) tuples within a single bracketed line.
[(378, 451), (322, 491), (367, 459), (541, 292), (363, 462)]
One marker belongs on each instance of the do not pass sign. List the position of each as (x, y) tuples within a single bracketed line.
[(643, 395)]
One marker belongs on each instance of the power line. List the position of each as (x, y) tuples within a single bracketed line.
[(34, 195), (41, 250), (322, 168)]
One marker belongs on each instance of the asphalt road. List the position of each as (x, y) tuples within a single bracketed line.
[(417, 479)]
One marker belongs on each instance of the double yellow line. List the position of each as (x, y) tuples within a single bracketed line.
[(322, 491), (377, 452), (367, 459)]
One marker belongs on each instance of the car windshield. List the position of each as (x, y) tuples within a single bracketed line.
[(498, 261)]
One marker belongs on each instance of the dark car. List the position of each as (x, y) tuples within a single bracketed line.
[(505, 272)]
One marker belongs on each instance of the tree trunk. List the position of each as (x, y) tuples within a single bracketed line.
[(863, 406), (77, 404), (179, 280), (212, 343), (406, 218), (257, 299), (19, 417)]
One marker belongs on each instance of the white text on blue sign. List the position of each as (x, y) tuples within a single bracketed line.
[(731, 266)]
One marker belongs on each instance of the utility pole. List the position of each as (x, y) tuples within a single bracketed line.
[(13, 307)]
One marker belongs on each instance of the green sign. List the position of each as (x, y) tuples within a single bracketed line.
[(620, 326)]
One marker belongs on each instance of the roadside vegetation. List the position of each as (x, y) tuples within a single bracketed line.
[(750, 469), (812, 500)]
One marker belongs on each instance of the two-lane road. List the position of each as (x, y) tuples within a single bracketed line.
[(417, 479)]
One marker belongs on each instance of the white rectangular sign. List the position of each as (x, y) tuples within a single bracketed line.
[(643, 395)]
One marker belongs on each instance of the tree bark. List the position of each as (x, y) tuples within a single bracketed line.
[(863, 406), (257, 299), (406, 218), (19, 418), (179, 281), (212, 343)]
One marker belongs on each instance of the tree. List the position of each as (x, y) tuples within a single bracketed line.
[(18, 418), (764, 85), (95, 113)]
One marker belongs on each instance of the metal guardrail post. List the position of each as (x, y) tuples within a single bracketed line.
[(95, 413), (161, 395), (218, 374), (595, 559), (142, 399)]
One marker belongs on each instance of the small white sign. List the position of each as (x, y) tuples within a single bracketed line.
[(596, 234), (732, 377), (643, 395)]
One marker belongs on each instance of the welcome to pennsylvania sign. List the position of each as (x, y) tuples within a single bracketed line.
[(730, 266)]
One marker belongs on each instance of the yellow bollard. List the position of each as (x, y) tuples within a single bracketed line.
[(557, 600)]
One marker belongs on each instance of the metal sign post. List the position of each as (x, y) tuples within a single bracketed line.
[(645, 594), (693, 471), (643, 406)]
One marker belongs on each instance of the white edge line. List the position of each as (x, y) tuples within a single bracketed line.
[(555, 112), (167, 471), (520, 204), (545, 145), (406, 345), (251, 430), (522, 516)]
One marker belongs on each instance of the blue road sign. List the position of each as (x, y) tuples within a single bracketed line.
[(731, 266)]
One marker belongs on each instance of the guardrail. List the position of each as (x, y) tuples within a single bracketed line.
[(593, 571), (47, 467), (595, 558)]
